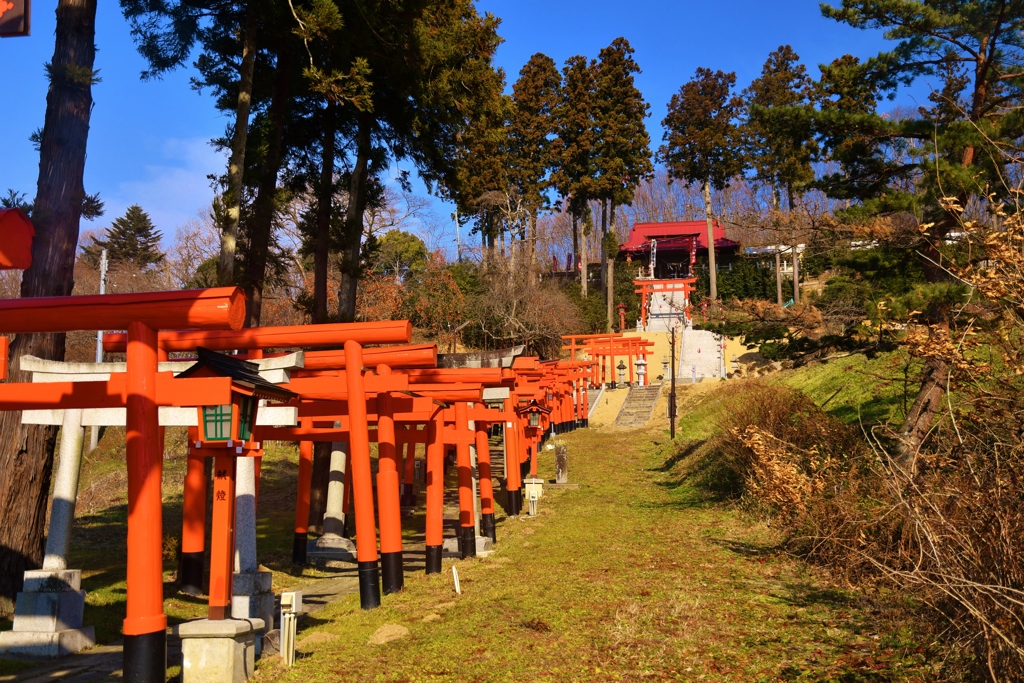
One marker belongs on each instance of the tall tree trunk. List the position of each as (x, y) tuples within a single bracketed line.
[(357, 195), (604, 255), (26, 452), (796, 254), (531, 249), (575, 241), (712, 272), (265, 203), (778, 275), (610, 270), (236, 164), (584, 270), (926, 406), (320, 477), (324, 209), (778, 250)]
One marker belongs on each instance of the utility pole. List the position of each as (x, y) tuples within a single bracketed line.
[(672, 388), (94, 432)]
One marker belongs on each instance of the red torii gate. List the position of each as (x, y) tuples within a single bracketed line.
[(611, 346), (141, 389), (390, 410), (318, 384), (645, 288)]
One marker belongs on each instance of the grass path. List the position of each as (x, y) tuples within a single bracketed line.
[(631, 577)]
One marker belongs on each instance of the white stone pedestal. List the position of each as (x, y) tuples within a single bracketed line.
[(450, 547), (253, 599), (48, 617), (218, 651), (333, 548)]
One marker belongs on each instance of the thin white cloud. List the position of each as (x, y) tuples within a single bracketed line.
[(173, 190)]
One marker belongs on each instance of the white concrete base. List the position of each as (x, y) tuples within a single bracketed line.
[(254, 599), (218, 651), (48, 616), (49, 612), (484, 546), (332, 547), (450, 547), (39, 645)]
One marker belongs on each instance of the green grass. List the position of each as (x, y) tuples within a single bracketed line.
[(629, 577), (99, 547), (635, 575), (858, 389)]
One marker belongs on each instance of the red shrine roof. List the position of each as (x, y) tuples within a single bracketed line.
[(676, 235)]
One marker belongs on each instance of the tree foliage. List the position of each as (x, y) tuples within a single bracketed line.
[(131, 239), (701, 139), (623, 147), (576, 122), (535, 96), (779, 149)]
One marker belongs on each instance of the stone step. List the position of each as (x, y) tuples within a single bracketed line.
[(639, 405)]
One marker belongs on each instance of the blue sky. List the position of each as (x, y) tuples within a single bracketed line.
[(149, 140)]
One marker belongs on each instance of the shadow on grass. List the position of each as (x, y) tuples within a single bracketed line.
[(682, 454), (308, 621), (707, 477), (750, 550), (873, 412), (801, 594)]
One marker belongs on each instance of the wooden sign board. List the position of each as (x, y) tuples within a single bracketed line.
[(14, 18)]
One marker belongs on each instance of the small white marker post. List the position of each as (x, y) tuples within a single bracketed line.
[(455, 575)]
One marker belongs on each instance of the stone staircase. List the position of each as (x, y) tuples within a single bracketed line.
[(639, 406)]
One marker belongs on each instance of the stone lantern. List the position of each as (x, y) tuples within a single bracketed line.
[(641, 371)]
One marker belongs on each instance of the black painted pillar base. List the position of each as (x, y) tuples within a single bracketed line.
[(145, 658), (369, 585), (434, 559), (392, 575), (190, 581), (487, 527), (348, 525), (408, 497), (515, 502), (524, 470), (468, 541), (299, 548)]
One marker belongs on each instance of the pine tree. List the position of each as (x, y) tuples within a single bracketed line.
[(531, 130), (131, 239), (623, 147), (702, 142), (483, 171), (948, 41), (779, 148), (576, 172)]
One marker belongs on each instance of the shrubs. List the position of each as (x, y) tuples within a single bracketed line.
[(778, 449), (948, 534)]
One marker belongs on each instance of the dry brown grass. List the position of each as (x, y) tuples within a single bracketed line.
[(946, 535)]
